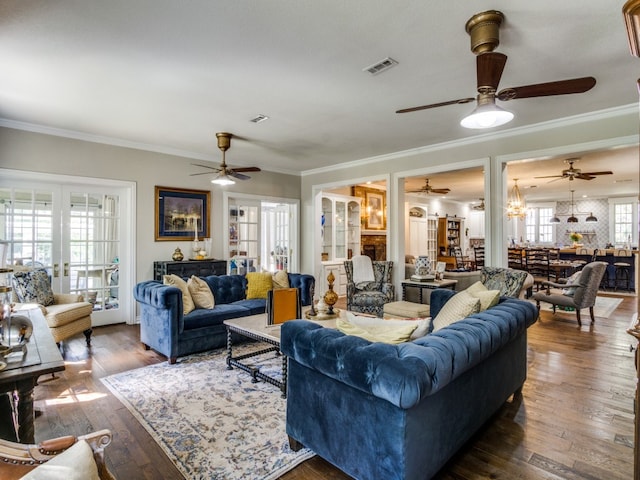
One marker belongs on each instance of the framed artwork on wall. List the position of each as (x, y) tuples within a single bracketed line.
[(182, 214), (373, 212), (374, 209)]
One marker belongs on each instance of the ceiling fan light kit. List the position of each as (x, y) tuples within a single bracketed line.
[(223, 179), (486, 115)]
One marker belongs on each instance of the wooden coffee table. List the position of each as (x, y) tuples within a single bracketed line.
[(255, 327)]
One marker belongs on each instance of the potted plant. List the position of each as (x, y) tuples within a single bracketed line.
[(575, 238)]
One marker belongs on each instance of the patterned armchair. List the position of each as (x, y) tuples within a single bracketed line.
[(370, 297), (510, 282)]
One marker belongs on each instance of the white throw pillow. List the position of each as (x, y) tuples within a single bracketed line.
[(75, 463), (364, 321), (460, 306)]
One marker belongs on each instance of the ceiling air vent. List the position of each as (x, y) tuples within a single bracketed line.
[(259, 118), (380, 66)]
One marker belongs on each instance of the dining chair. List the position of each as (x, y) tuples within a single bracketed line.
[(537, 264)]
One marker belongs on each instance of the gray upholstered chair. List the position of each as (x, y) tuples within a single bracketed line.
[(370, 297), (577, 295)]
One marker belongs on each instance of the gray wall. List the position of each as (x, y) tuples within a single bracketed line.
[(22, 150)]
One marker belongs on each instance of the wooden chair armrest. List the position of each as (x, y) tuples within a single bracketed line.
[(18, 458)]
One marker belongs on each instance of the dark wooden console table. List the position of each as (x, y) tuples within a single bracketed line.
[(20, 377), (186, 268)]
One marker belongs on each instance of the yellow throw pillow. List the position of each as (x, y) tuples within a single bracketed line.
[(381, 333), (460, 306), (176, 281), (258, 284), (280, 279), (488, 298), (200, 293)]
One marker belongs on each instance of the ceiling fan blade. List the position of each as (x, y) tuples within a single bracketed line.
[(598, 173), (442, 191), (553, 176), (584, 176), (239, 176), (201, 173), (434, 105), (206, 166), (489, 68), (561, 87), (246, 169)]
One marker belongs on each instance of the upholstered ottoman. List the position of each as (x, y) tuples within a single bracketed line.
[(405, 310)]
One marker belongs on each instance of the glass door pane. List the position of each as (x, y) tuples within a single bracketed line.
[(91, 250), (244, 239), (341, 229), (276, 241)]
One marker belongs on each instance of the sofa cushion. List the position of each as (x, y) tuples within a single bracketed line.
[(488, 298), (200, 293), (176, 281), (64, 313), (380, 333), (280, 279), (75, 463), (258, 284), (460, 306), (33, 287), (366, 321), (201, 318)]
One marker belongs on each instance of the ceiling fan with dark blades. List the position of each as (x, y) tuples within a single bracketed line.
[(427, 189), (484, 31), (224, 171), (572, 173)]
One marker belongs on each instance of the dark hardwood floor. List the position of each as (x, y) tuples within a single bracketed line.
[(574, 420)]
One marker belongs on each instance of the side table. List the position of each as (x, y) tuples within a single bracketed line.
[(421, 286), (20, 377)]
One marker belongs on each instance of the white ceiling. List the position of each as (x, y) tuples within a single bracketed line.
[(168, 75)]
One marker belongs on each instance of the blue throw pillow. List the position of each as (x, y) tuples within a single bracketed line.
[(33, 287)]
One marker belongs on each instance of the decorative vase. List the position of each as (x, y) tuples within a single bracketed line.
[(423, 266), (330, 297), (177, 255)]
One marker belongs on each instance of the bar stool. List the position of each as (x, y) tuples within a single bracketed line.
[(604, 283), (622, 269)]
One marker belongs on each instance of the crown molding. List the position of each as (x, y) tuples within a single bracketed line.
[(503, 134)]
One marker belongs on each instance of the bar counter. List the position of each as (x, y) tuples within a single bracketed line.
[(606, 255)]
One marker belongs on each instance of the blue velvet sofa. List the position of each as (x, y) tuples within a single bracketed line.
[(164, 328), (382, 411)]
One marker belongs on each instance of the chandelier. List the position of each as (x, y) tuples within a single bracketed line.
[(516, 208)]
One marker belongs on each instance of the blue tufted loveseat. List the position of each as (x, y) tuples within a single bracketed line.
[(381, 411), (164, 328)]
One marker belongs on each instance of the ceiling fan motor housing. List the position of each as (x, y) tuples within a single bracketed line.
[(484, 29)]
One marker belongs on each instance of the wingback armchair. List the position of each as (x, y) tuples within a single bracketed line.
[(370, 297), (576, 295)]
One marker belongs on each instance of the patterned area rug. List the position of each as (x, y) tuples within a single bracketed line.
[(213, 423)]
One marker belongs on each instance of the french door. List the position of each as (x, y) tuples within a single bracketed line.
[(262, 234), (75, 232)]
